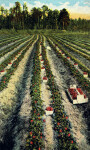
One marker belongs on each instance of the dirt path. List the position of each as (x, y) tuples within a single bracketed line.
[(79, 57), (48, 128), (15, 105), (76, 46), (20, 130), (10, 44), (63, 78)]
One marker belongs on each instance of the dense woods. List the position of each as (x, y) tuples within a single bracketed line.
[(39, 18)]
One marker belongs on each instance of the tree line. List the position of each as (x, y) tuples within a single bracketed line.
[(39, 18)]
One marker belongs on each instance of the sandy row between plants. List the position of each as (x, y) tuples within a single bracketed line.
[(79, 57), (76, 46), (10, 53), (10, 44), (48, 127), (9, 97), (75, 116), (85, 50), (21, 128)]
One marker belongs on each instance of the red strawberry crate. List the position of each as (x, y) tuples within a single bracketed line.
[(49, 110)]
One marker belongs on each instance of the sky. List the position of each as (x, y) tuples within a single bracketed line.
[(74, 7)]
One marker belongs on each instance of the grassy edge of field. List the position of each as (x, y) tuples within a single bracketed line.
[(40, 31)]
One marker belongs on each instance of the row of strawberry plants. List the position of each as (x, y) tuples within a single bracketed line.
[(4, 36), (35, 139), (9, 41), (8, 38), (83, 41), (78, 41), (82, 44), (81, 80), (5, 79), (75, 42), (8, 60), (72, 48), (81, 66), (10, 48), (60, 118)]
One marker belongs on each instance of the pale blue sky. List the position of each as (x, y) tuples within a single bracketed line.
[(54, 2), (73, 6)]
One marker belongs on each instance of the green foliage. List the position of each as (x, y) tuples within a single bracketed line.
[(64, 18), (17, 18), (35, 139)]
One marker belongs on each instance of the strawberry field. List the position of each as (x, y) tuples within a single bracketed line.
[(35, 110)]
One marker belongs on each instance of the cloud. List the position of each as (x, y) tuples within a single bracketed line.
[(8, 7), (79, 9), (76, 8), (87, 3), (65, 4), (38, 4)]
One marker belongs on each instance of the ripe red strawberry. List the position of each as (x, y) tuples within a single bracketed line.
[(69, 134), (58, 123), (65, 128), (41, 133), (34, 111), (44, 120), (31, 133), (2, 71), (72, 142), (51, 109), (60, 130), (34, 137), (31, 143), (31, 121)]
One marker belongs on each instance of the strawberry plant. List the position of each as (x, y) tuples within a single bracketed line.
[(35, 139)]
